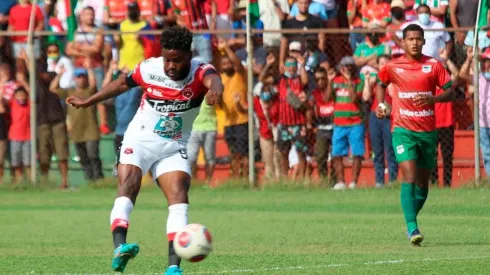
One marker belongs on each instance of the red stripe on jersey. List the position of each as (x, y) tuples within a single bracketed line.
[(287, 114)]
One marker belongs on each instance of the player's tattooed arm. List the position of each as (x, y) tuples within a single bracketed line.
[(113, 89), (215, 86)]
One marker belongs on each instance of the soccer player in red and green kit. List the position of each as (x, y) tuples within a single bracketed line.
[(415, 78)]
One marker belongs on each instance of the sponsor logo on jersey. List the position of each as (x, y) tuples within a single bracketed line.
[(157, 78), (426, 68), (399, 70), (167, 106), (128, 151), (154, 92), (423, 113), (169, 127), (187, 93), (410, 95)]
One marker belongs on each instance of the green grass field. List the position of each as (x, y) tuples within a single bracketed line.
[(274, 231)]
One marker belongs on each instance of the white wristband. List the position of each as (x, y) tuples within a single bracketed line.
[(382, 106)]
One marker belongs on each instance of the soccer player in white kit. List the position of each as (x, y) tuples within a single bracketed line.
[(174, 87)]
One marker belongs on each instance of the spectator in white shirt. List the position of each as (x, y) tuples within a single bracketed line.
[(56, 61), (272, 13), (435, 41)]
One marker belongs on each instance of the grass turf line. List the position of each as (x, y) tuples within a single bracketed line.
[(270, 232)]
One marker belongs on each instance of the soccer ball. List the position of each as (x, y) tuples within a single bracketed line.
[(194, 243)]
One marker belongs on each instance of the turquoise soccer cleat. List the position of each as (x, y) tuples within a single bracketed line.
[(173, 270), (122, 254)]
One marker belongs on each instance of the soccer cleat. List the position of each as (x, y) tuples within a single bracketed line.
[(173, 270), (416, 237), (122, 254), (352, 185)]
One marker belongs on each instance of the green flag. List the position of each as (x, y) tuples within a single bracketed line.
[(71, 19), (253, 9)]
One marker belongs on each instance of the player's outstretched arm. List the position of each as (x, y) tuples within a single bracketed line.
[(113, 89), (215, 86)]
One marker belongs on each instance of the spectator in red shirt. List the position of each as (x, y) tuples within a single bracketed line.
[(293, 105), (266, 107), (324, 120), (19, 21), (445, 125), (19, 133)]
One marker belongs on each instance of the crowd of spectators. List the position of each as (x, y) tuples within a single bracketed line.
[(301, 80)]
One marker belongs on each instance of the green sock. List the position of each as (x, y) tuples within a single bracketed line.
[(420, 197), (407, 198)]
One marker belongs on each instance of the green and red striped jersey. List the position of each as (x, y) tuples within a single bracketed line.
[(346, 112)]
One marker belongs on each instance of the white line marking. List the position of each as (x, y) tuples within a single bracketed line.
[(299, 267)]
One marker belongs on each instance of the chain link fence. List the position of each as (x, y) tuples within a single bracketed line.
[(293, 134)]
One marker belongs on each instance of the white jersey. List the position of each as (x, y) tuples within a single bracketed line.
[(168, 108), (157, 136)]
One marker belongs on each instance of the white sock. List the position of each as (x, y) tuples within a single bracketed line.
[(120, 212), (177, 219)]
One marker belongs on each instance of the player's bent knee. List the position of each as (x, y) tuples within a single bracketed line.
[(130, 177)]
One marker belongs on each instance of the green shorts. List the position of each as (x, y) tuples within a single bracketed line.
[(418, 146)]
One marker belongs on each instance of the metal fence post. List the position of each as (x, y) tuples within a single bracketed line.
[(32, 93), (476, 96), (251, 138)]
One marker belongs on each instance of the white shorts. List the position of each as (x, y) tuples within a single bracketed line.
[(155, 157)]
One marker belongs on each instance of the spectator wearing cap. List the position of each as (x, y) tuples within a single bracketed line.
[(272, 14), (89, 43), (435, 40), (398, 19), (378, 12), (85, 133), (303, 20), (18, 20), (348, 131), (484, 100), (438, 8), (366, 53), (191, 14)]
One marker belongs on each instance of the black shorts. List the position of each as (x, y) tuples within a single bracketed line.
[(236, 138)]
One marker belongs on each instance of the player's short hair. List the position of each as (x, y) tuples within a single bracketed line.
[(176, 38), (413, 28), (422, 6)]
